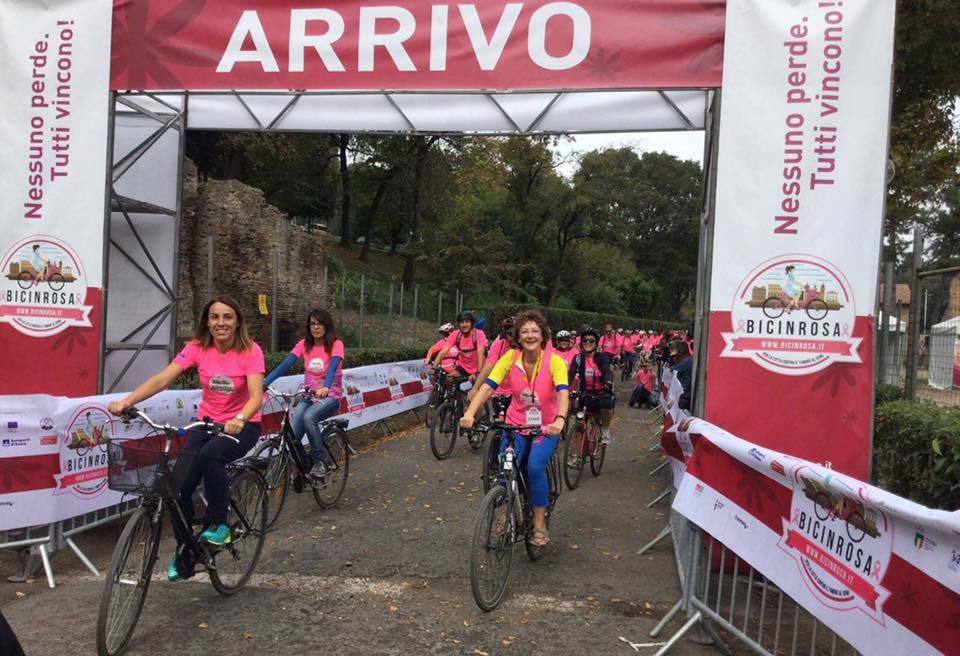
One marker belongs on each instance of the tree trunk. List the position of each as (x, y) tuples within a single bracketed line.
[(343, 142), (372, 217), (422, 147)]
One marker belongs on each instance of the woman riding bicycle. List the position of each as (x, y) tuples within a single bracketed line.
[(322, 355), (591, 373), (231, 369), (565, 348), (538, 380), (450, 361), (471, 344)]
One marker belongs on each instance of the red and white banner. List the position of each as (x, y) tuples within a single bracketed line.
[(54, 133), (803, 139), (53, 453), (881, 571), (674, 440), (371, 45)]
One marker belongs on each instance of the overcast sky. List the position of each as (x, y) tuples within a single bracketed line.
[(684, 145)]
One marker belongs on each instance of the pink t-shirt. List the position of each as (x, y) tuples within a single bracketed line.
[(468, 345), (315, 363), (610, 344), (223, 378), (567, 355), (645, 378)]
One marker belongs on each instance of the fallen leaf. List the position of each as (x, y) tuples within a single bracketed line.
[(202, 625), (506, 642), (247, 635), (394, 609), (21, 595)]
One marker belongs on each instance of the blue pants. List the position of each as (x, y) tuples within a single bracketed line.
[(306, 416), (543, 448)]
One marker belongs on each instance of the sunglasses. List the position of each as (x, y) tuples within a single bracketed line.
[(588, 340)]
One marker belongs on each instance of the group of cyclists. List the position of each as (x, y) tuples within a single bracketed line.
[(525, 361)]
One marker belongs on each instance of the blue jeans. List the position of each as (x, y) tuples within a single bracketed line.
[(641, 396), (306, 416), (543, 448)]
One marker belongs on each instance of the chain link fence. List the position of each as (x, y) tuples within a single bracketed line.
[(926, 368)]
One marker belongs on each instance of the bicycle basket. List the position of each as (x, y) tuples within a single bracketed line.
[(141, 467)]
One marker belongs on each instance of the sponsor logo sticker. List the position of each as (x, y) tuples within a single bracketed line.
[(46, 423), (15, 441), (793, 315), (841, 543), (43, 287), (777, 467), (756, 454)]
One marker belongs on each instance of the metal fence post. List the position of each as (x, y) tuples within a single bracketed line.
[(400, 320), (363, 281), (273, 301), (886, 347), (209, 267), (913, 323), (343, 294), (390, 315), (323, 286), (416, 300)]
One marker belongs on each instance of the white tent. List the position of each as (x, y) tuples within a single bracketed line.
[(944, 352)]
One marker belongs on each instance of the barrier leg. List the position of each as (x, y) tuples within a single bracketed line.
[(656, 445), (665, 532), (666, 618), (678, 636), (83, 558), (658, 467), (47, 567), (660, 497)]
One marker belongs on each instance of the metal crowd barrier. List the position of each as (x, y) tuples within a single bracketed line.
[(720, 590), (47, 540)]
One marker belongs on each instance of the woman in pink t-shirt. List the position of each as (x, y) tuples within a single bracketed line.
[(231, 368), (322, 355)]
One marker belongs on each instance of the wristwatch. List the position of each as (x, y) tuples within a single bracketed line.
[(241, 418)]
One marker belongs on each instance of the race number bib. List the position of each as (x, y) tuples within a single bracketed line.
[(534, 416)]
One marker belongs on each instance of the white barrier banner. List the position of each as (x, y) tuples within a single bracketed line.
[(53, 453), (674, 439), (881, 571)]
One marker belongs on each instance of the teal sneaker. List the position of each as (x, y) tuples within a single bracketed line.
[(217, 535), (172, 573)]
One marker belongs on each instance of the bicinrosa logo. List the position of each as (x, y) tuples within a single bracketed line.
[(793, 315), (83, 452), (841, 543), (43, 287)]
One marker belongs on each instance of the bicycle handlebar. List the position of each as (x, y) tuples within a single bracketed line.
[(533, 431), (132, 413)]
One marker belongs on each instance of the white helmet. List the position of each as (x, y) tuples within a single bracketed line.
[(445, 329), (564, 334)]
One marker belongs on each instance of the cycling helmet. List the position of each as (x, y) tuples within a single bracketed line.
[(589, 330), (446, 329), (481, 322), (563, 334), (507, 323), (585, 327), (466, 315)]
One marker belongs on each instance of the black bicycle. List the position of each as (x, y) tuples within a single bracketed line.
[(154, 468), (441, 391), (506, 518), (490, 457), (284, 461), (446, 425)]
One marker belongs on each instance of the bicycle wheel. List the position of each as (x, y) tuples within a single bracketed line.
[(817, 309), (490, 459), (25, 280), (491, 553), (275, 475), (328, 491), (773, 307), (574, 452), (233, 564), (599, 449), (430, 411), (56, 282), (444, 432), (127, 581)]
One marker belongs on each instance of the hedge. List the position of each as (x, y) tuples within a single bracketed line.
[(916, 452), (560, 319), (356, 357), (887, 393)]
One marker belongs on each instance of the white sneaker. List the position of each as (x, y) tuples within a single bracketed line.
[(605, 438)]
